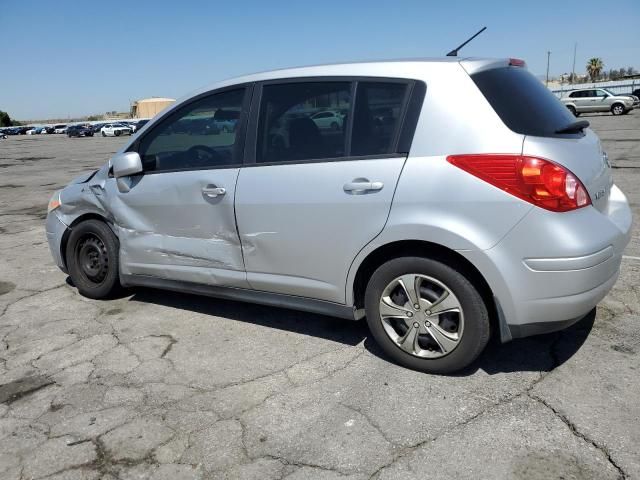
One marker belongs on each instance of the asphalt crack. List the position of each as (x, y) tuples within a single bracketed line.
[(574, 430)]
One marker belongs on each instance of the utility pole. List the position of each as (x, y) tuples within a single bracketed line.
[(548, 55), (573, 70)]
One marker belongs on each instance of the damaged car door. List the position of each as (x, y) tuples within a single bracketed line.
[(176, 217)]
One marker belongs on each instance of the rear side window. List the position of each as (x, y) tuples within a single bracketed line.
[(303, 121), (376, 118), (523, 103)]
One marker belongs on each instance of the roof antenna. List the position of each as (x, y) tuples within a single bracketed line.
[(454, 52)]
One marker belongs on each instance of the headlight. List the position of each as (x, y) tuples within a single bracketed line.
[(55, 202)]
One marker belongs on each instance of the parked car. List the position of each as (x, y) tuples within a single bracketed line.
[(79, 131), (597, 100), (48, 130), (60, 128), (327, 119), (115, 130), (442, 231), (141, 123), (3, 135), (97, 126), (33, 131)]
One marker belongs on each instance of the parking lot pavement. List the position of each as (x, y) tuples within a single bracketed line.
[(160, 385)]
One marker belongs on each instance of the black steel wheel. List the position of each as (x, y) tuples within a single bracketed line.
[(92, 259)]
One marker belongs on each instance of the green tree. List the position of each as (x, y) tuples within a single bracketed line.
[(594, 67), (5, 119)]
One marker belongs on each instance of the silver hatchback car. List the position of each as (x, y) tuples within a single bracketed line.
[(443, 219)]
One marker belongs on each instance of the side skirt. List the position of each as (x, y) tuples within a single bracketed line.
[(243, 295)]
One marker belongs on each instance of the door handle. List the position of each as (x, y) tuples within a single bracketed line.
[(359, 186), (212, 191)]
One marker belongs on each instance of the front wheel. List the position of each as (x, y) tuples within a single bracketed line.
[(103, 134), (617, 109), (426, 315), (572, 109), (92, 259)]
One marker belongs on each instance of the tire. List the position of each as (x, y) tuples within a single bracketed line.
[(617, 109), (103, 134), (438, 281), (117, 133), (572, 109), (92, 259), (334, 126)]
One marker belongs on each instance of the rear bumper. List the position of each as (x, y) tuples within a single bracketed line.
[(55, 229), (552, 269)]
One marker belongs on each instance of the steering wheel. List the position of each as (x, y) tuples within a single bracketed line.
[(201, 155)]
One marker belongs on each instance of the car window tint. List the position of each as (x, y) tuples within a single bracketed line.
[(522, 101), (376, 117), (199, 135), (289, 127)]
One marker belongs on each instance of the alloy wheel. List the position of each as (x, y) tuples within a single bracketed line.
[(421, 315)]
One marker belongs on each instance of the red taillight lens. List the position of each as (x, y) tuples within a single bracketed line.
[(516, 62), (536, 180)]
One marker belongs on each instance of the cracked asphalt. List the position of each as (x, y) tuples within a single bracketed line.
[(159, 385)]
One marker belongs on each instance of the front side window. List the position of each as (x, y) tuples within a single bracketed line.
[(303, 121), (200, 135), (376, 117)]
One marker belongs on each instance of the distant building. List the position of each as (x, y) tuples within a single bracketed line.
[(149, 107)]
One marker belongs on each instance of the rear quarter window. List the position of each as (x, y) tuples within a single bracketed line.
[(523, 103)]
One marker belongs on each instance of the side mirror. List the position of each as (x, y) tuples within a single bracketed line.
[(126, 164)]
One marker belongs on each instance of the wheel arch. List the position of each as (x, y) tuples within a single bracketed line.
[(422, 248)]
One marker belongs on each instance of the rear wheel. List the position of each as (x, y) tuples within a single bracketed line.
[(426, 315), (117, 133), (103, 134), (617, 109), (572, 109), (92, 259)]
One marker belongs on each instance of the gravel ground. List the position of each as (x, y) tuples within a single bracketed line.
[(160, 385)]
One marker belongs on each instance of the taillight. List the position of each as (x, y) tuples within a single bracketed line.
[(536, 180), (516, 62)]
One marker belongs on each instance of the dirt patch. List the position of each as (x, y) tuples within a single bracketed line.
[(33, 159), (6, 287), (13, 391), (35, 211)]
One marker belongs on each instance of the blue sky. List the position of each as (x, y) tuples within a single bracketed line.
[(61, 58)]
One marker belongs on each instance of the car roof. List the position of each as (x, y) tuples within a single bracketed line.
[(402, 68)]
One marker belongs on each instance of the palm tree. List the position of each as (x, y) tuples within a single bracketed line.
[(594, 67)]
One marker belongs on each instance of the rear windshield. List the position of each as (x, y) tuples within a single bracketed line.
[(523, 103)]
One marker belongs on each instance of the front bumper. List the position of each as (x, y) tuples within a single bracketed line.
[(56, 229), (552, 269)]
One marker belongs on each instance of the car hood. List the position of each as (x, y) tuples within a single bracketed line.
[(83, 178)]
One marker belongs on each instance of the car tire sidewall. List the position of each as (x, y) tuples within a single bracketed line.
[(476, 331), (111, 284), (573, 111)]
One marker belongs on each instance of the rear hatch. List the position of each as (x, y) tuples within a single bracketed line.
[(527, 107)]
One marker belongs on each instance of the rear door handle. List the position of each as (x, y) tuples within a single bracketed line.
[(212, 191), (362, 185)]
